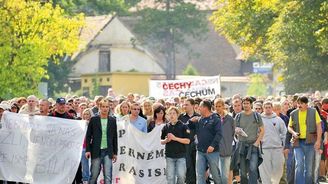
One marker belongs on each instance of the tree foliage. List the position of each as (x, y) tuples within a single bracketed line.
[(257, 86), (170, 26), (292, 34), (190, 70), (99, 7), (30, 34)]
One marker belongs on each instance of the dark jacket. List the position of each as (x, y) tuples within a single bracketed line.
[(94, 135), (208, 131)]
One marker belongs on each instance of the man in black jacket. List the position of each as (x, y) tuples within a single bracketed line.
[(102, 143)]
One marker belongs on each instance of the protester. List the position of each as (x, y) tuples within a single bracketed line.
[(228, 132), (305, 127), (147, 109), (287, 176), (159, 118), (31, 106), (44, 107), (208, 131), (95, 109), (21, 102), (247, 156), (271, 170), (136, 120), (14, 108), (175, 135), (189, 112), (102, 143), (86, 115), (257, 107), (123, 109)]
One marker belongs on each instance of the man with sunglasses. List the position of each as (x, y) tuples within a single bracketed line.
[(137, 121)]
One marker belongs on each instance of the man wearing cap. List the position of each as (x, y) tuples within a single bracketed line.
[(60, 112), (60, 109)]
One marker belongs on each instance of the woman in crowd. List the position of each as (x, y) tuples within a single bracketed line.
[(147, 109), (122, 109), (158, 118), (14, 108), (86, 115)]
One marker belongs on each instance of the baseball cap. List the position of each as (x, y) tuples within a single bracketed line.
[(61, 100)]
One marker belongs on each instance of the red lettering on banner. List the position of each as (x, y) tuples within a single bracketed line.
[(165, 86), (179, 85)]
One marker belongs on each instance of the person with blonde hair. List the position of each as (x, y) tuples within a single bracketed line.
[(86, 115), (228, 132), (147, 109)]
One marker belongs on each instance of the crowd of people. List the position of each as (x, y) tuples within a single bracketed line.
[(267, 140)]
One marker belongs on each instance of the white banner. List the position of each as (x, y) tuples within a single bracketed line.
[(141, 157), (195, 87), (40, 149)]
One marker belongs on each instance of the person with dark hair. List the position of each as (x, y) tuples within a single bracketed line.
[(208, 131), (189, 112), (158, 118), (175, 137), (14, 108), (60, 112), (250, 131), (102, 143), (305, 127)]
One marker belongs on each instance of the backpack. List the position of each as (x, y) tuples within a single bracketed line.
[(255, 114)]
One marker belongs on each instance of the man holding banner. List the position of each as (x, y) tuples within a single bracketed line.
[(102, 143)]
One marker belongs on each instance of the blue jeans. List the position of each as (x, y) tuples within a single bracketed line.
[(249, 166), (176, 167), (210, 159), (224, 168), (290, 163), (96, 163), (85, 167), (304, 159)]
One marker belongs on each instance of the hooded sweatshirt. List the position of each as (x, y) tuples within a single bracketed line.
[(274, 131)]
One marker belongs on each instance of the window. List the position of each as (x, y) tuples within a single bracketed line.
[(103, 90), (104, 61), (85, 80), (85, 91)]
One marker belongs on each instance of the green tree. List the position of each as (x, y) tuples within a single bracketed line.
[(57, 76), (257, 86), (30, 34), (166, 28), (190, 70), (95, 86), (291, 34), (99, 7)]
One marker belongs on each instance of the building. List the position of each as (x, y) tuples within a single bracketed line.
[(109, 45)]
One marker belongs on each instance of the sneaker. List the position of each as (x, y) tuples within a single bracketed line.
[(322, 179)]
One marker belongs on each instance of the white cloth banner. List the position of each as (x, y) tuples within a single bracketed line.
[(141, 157), (195, 87), (40, 149)]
